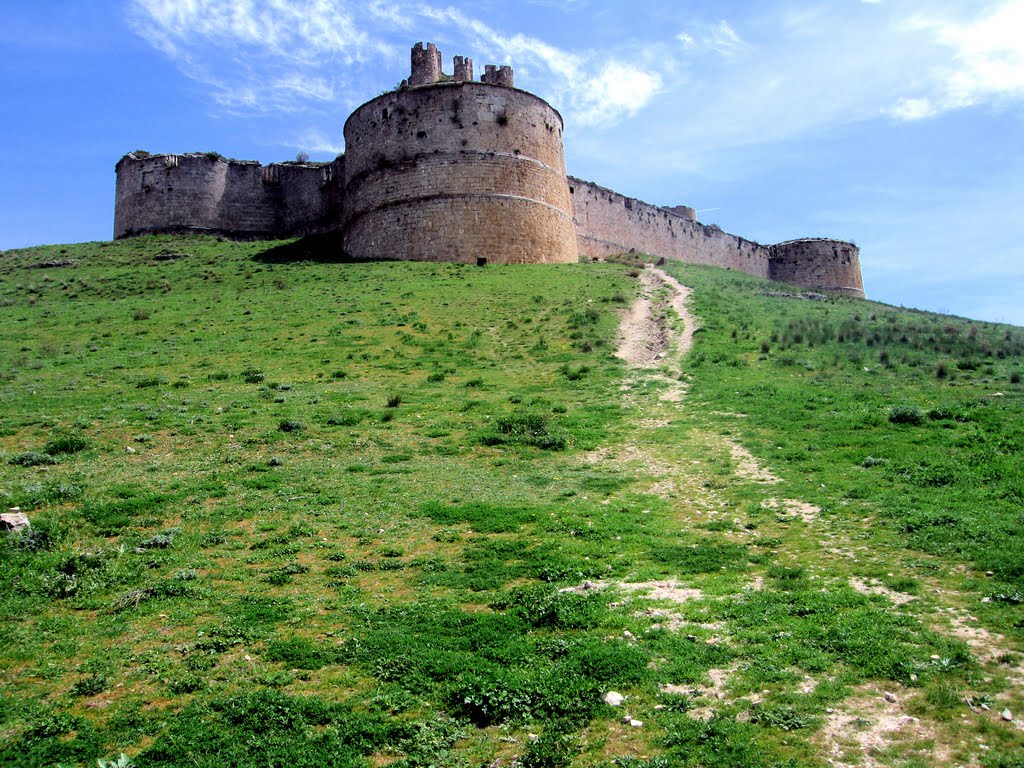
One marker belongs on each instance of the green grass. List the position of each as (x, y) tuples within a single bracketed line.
[(309, 513)]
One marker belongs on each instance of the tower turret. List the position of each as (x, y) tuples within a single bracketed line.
[(426, 65), (463, 69), (502, 75)]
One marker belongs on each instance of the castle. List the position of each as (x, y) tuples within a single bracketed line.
[(447, 168)]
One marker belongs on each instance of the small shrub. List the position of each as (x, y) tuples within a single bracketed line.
[(252, 376), (394, 401), (89, 686), (65, 445), (31, 459), (906, 414), (1015, 377), (160, 541), (941, 371), (551, 750), (291, 425)]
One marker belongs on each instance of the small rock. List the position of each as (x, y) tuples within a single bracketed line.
[(636, 723), (659, 707), (248, 657), (711, 641), (129, 449), (627, 634), (1007, 715), (532, 736), (614, 699), (14, 520), (890, 697)]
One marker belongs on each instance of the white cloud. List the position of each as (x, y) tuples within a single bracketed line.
[(264, 55), (318, 141), (258, 55), (987, 61), (719, 37)]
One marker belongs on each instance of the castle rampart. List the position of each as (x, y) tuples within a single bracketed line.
[(448, 169), (210, 194), (458, 171), (828, 265), (607, 222)]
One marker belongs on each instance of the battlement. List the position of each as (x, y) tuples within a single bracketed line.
[(426, 65), (495, 75), (463, 69), (426, 69)]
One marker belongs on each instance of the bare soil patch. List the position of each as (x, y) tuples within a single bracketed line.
[(645, 333)]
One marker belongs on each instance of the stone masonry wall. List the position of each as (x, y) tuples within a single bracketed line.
[(457, 171), (828, 265), (607, 222), (210, 194)]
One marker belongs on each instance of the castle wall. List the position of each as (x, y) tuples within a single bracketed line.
[(310, 197), (819, 263), (213, 195), (607, 223), (457, 171)]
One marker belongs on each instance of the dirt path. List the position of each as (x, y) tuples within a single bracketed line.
[(646, 335)]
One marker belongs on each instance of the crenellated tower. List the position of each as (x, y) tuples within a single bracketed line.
[(426, 65), (463, 68), (495, 75), (457, 170)]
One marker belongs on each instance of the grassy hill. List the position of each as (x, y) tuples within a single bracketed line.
[(309, 514)]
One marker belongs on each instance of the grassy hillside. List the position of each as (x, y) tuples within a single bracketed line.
[(418, 514)]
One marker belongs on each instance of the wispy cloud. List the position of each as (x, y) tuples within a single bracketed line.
[(262, 55), (719, 37), (987, 61), (258, 55)]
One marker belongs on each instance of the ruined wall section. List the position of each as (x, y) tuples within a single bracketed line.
[(818, 263), (310, 198), (607, 223), (457, 171), (209, 194)]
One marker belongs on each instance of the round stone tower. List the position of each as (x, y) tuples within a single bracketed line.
[(448, 169), (819, 263)]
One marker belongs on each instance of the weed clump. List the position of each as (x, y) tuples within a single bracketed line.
[(906, 414), (31, 459), (525, 428), (291, 425), (66, 445)]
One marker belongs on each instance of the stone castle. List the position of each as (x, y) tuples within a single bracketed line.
[(447, 168)]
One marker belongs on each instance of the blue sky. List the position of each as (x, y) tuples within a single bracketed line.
[(896, 124)]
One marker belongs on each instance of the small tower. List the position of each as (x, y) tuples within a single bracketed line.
[(426, 65), (463, 69), (498, 76)]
